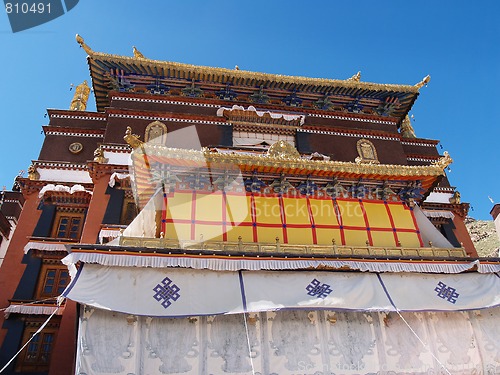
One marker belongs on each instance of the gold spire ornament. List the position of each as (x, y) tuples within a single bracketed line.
[(355, 78), (82, 44), (407, 130), (423, 82), (137, 53), (132, 139), (79, 102)]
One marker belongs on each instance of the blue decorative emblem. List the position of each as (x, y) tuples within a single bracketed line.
[(166, 292), (315, 288), (446, 292)]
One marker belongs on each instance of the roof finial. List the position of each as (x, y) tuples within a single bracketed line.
[(444, 161), (79, 102), (236, 67), (132, 139), (407, 130), (82, 44), (356, 77), (423, 82), (137, 53)]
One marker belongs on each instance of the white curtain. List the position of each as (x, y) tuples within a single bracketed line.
[(174, 292), (428, 231), (290, 342)]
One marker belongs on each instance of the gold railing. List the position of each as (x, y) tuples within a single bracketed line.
[(257, 248)]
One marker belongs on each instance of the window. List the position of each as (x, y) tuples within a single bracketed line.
[(68, 225), (253, 139), (36, 356), (129, 212), (53, 281)]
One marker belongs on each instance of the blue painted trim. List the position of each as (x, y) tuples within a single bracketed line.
[(242, 288), (11, 343), (26, 288), (73, 282), (386, 291)]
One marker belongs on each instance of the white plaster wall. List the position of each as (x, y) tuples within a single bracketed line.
[(64, 175), (439, 198)]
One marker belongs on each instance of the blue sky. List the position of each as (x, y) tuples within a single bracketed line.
[(456, 42)]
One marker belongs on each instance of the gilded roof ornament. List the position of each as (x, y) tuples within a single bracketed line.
[(407, 130), (423, 82), (99, 156), (79, 102), (355, 78), (367, 152), (137, 53), (33, 173), (82, 44), (455, 199), (132, 139), (283, 150), (444, 161)]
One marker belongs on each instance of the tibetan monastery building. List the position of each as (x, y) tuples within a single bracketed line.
[(212, 221)]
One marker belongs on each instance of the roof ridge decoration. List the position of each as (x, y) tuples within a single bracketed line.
[(423, 82), (82, 44), (352, 82), (356, 77), (137, 53), (292, 160)]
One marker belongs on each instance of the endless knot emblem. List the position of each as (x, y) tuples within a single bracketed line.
[(315, 288), (446, 292), (166, 292)]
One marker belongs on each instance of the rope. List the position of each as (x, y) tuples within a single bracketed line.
[(248, 342), (423, 343)]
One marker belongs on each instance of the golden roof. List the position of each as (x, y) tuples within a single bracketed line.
[(101, 64)]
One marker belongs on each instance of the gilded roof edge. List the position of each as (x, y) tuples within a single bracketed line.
[(254, 75), (263, 160)]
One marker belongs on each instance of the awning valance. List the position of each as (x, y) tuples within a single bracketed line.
[(186, 292), (192, 259)]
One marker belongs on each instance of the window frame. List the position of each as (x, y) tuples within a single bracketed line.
[(23, 363), (56, 285), (70, 216)]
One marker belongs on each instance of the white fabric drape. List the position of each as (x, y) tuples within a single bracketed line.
[(32, 310), (45, 246), (157, 292), (244, 141), (63, 188), (274, 115), (117, 176), (173, 292), (439, 213), (144, 224), (108, 233), (235, 264), (428, 231), (290, 342)]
